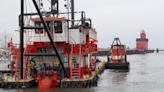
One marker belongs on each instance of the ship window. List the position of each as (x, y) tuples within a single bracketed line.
[(58, 26), (49, 24), (38, 24)]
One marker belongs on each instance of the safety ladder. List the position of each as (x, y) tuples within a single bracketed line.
[(74, 66)]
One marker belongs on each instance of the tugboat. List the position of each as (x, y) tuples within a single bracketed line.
[(54, 53), (118, 59)]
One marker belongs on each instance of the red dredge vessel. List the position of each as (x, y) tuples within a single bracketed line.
[(118, 59), (55, 52)]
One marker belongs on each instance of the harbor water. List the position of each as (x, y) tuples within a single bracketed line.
[(146, 74)]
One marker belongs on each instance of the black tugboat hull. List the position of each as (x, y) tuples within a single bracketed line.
[(117, 65)]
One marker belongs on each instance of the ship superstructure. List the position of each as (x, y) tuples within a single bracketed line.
[(53, 47)]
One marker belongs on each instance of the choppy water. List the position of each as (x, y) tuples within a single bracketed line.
[(146, 75)]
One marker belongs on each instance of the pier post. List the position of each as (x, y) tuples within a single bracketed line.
[(157, 50)]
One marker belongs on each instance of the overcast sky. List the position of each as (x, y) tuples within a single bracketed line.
[(111, 18)]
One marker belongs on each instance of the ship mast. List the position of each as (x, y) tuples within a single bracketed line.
[(21, 38), (72, 13)]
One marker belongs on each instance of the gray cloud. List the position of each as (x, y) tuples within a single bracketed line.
[(111, 18)]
